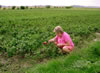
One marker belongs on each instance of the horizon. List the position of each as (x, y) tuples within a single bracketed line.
[(48, 5)]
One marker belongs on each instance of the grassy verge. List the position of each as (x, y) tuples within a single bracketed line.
[(87, 60)]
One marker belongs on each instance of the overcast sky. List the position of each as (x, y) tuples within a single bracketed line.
[(50, 2)]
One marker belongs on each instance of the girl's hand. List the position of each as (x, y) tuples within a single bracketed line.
[(51, 40), (55, 43)]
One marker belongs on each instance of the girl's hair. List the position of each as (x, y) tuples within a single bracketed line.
[(58, 29)]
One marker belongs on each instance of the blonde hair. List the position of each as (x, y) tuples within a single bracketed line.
[(58, 29)]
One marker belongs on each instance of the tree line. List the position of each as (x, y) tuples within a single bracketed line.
[(31, 7)]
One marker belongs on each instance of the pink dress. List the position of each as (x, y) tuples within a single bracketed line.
[(64, 39)]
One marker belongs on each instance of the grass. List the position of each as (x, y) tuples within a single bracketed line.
[(84, 61)]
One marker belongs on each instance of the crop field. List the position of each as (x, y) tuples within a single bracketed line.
[(22, 33)]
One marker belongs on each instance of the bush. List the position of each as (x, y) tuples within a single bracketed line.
[(13, 7), (68, 7), (26, 7), (0, 6), (48, 6), (55, 7), (31, 8), (18, 8), (22, 7), (4, 8)]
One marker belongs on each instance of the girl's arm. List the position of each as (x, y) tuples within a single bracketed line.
[(67, 44), (52, 40)]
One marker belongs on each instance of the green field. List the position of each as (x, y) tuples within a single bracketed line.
[(22, 33)]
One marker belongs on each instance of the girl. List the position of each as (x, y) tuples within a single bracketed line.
[(62, 40)]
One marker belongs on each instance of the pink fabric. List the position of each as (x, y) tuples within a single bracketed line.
[(64, 39)]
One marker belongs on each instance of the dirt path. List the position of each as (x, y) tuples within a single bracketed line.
[(16, 64), (97, 37)]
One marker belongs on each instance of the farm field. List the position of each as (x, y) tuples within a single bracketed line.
[(22, 33)]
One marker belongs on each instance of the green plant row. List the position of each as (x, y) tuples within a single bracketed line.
[(23, 31)]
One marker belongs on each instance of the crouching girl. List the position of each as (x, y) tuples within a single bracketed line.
[(62, 40)]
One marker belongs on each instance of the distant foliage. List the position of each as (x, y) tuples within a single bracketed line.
[(48, 6), (68, 7), (0, 6), (18, 8), (4, 8), (13, 7), (22, 7), (26, 7), (35, 6), (31, 8), (55, 7)]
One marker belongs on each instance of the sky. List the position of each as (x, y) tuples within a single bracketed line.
[(50, 2)]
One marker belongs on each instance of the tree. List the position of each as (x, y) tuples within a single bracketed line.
[(13, 7), (31, 8), (18, 8), (4, 8), (26, 7), (48, 6), (55, 7), (35, 6), (0, 6), (22, 7), (68, 7)]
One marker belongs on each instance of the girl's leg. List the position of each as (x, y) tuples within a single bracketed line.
[(67, 49)]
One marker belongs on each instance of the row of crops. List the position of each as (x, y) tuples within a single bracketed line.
[(23, 31)]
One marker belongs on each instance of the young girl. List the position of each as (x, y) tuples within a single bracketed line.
[(62, 40)]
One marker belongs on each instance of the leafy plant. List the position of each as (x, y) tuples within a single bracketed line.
[(96, 48), (23, 32)]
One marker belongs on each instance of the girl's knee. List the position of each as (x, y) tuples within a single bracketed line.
[(65, 49)]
